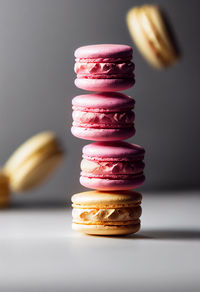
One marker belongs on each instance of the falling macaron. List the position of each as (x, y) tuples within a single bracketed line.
[(153, 35), (4, 190), (33, 162)]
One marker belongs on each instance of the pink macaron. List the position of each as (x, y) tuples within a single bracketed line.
[(105, 116), (104, 67), (112, 166)]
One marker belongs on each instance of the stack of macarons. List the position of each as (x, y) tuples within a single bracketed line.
[(110, 166)]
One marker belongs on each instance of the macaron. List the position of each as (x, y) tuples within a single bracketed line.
[(105, 116), (112, 166), (104, 67), (106, 213), (4, 190), (33, 162), (153, 36)]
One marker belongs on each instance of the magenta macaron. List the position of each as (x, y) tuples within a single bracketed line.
[(105, 67), (112, 166), (105, 116)]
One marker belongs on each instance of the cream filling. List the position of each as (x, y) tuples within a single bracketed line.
[(119, 119), (111, 167), (106, 215), (104, 68)]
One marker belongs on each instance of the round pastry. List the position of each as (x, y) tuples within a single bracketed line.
[(112, 166), (4, 190), (106, 213), (152, 35), (33, 161), (105, 116), (104, 67)]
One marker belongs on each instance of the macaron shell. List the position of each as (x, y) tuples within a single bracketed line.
[(103, 134), (104, 51), (106, 230), (108, 151), (116, 199), (103, 102), (104, 84), (112, 184)]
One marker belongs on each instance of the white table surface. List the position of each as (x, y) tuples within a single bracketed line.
[(40, 252)]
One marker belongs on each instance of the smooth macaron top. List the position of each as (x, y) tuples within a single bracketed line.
[(104, 51), (109, 151), (109, 199), (103, 101)]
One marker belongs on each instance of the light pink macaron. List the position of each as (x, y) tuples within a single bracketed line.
[(112, 166), (105, 67), (105, 116)]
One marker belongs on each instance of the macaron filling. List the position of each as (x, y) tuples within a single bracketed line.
[(108, 70), (111, 168), (103, 120), (104, 60), (106, 215), (85, 69)]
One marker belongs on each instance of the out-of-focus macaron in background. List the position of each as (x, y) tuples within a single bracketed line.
[(153, 35), (33, 162), (4, 190)]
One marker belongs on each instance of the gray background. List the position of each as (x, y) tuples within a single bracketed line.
[(37, 40)]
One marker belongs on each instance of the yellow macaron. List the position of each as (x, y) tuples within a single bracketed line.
[(106, 213), (4, 190), (152, 35), (33, 161)]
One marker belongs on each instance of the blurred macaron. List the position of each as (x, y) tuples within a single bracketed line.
[(33, 162), (153, 35), (4, 190)]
